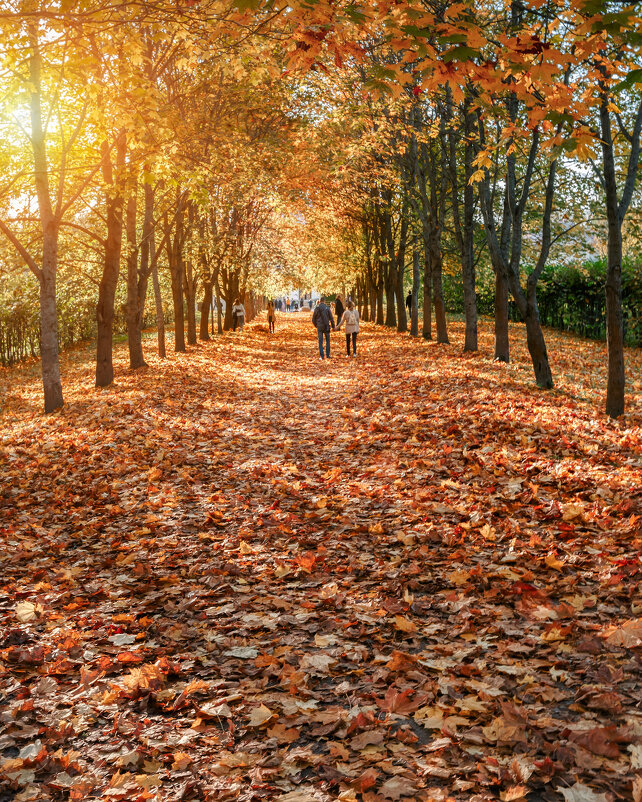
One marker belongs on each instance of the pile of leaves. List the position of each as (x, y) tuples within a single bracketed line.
[(244, 573)]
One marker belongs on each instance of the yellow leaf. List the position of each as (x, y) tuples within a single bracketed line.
[(181, 761), (552, 562), (259, 716), (405, 624)]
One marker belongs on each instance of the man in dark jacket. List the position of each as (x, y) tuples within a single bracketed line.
[(338, 308), (409, 304), (322, 319)]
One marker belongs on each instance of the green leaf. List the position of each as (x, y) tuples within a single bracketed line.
[(460, 53), (634, 77)]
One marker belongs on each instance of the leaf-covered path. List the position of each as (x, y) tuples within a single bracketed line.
[(246, 574)]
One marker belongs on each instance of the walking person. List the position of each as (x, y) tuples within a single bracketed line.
[(322, 319), (238, 314), (271, 316), (351, 319), (409, 304), (338, 308), (287, 304)]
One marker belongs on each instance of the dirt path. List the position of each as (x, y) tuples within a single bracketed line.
[(246, 573)]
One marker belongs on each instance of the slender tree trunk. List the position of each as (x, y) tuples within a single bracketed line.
[(206, 303), (438, 300), (616, 377), (380, 305), (134, 334), (158, 302), (52, 385), (502, 349), (427, 310), (190, 301), (177, 299), (114, 202), (372, 292), (391, 317), (49, 324), (414, 313), (468, 256), (536, 343), (402, 322), (615, 385)]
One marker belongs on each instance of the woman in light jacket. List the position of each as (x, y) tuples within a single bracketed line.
[(351, 318), (238, 314)]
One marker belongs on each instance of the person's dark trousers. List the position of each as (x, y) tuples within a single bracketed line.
[(354, 343), (271, 322), (235, 320), (323, 334)]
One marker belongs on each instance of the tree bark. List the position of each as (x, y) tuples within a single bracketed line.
[(615, 211), (206, 303), (438, 295), (536, 343), (49, 324), (502, 346), (427, 309), (134, 279), (114, 202), (414, 313), (402, 321), (176, 269), (52, 385), (189, 285), (158, 302)]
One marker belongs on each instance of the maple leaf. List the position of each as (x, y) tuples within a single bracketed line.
[(582, 793), (406, 701)]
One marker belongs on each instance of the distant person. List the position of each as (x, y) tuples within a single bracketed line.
[(238, 315), (287, 304), (351, 319), (338, 307), (322, 319), (409, 303), (271, 316), (310, 304)]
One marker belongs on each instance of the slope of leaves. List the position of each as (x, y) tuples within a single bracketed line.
[(247, 574)]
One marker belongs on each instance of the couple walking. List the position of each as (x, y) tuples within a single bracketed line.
[(322, 319)]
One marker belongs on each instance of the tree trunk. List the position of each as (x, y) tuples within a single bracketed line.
[(440, 309), (427, 310), (615, 385), (52, 385), (158, 302), (414, 313), (111, 265), (502, 350), (179, 312), (190, 301), (134, 334), (206, 303), (380, 305), (50, 228), (402, 322), (536, 344)]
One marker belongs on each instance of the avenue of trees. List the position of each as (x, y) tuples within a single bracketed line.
[(159, 157)]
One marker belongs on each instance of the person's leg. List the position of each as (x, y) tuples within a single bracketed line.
[(241, 322), (354, 343), (320, 335), (327, 344), (348, 343)]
